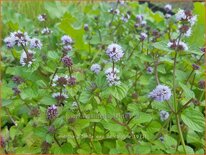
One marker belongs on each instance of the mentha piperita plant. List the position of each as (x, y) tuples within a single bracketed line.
[(115, 77)]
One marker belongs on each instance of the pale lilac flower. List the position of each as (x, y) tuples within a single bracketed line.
[(42, 17), (149, 70), (164, 115), (139, 18), (46, 31), (168, 7), (160, 93), (180, 15), (17, 38), (125, 18), (193, 20), (52, 112), (86, 27), (143, 36), (188, 33), (67, 48), (35, 43), (66, 40), (72, 81), (9, 41), (114, 11), (95, 68), (27, 58), (112, 77), (115, 52)]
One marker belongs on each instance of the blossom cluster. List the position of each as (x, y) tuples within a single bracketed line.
[(115, 52), (112, 76), (22, 39), (161, 93)]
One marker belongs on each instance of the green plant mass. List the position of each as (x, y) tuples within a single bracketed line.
[(102, 77)]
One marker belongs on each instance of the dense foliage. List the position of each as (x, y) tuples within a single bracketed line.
[(103, 78)]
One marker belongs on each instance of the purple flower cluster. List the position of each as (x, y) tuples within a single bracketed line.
[(112, 77), (52, 112), (160, 93), (164, 115), (115, 52), (95, 68)]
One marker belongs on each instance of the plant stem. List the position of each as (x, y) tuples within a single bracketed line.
[(56, 140), (81, 114), (156, 72), (75, 138), (11, 118), (175, 103), (184, 106)]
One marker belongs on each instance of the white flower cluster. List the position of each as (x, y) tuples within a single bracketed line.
[(60, 80), (164, 115), (140, 22), (181, 46), (168, 7), (46, 31), (67, 42), (60, 95), (161, 93), (125, 17), (17, 38), (115, 52), (35, 43), (22, 39), (95, 68), (187, 20), (112, 77), (42, 17), (27, 58), (143, 36)]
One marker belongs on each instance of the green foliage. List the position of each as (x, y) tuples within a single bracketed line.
[(97, 118)]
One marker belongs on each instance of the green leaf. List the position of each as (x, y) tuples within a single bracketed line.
[(119, 92), (188, 93), (193, 119)]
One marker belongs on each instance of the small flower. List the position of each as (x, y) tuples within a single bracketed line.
[(52, 112), (60, 97), (16, 91), (181, 46), (9, 41), (42, 17), (72, 81), (67, 48), (161, 138), (160, 93), (111, 76), (46, 31), (27, 58), (164, 115), (66, 40), (114, 11), (74, 104), (60, 81), (95, 68), (202, 49), (67, 61), (17, 79), (167, 15), (139, 18), (143, 36), (168, 7), (149, 70), (86, 27), (193, 20), (188, 33), (125, 18), (115, 52), (180, 15), (195, 67), (201, 84), (35, 43)]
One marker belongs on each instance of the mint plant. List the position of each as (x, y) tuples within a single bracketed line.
[(102, 78)]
